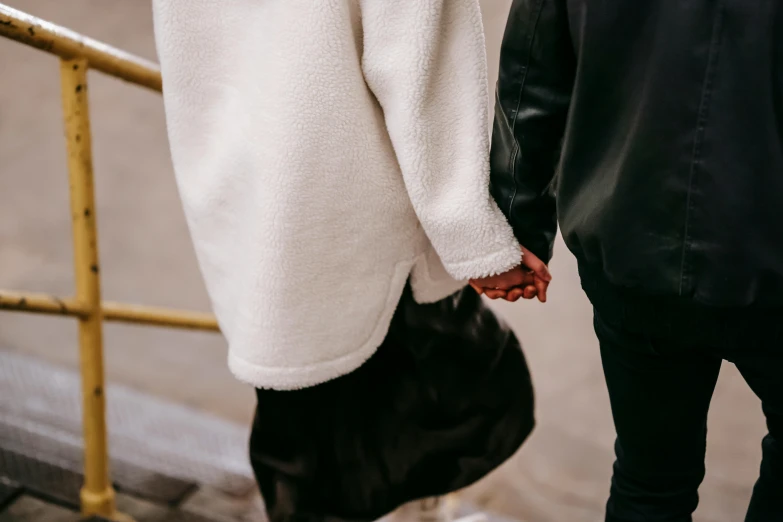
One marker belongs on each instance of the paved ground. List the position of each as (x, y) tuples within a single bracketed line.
[(562, 474)]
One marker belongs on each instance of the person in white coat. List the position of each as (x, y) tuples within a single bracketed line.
[(332, 161)]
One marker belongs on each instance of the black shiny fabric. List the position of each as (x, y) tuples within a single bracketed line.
[(666, 122), (445, 400)]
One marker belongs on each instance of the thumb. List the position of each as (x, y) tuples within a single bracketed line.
[(531, 261)]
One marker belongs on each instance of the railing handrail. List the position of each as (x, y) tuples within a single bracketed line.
[(78, 54), (115, 312), (67, 44)]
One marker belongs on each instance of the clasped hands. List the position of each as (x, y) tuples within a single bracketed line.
[(528, 280)]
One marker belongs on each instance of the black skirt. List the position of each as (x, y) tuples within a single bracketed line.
[(446, 399)]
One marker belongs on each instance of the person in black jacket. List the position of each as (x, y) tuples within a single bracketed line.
[(653, 132)]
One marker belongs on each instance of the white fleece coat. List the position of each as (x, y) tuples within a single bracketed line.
[(325, 152)]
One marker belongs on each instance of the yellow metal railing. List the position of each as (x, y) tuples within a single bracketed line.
[(78, 54)]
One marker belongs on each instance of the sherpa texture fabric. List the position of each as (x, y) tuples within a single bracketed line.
[(326, 151)]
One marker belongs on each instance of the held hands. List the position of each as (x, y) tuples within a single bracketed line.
[(528, 280)]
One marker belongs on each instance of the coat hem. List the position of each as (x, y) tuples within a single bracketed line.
[(428, 289), (288, 379)]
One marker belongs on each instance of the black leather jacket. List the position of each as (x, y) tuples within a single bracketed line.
[(665, 119)]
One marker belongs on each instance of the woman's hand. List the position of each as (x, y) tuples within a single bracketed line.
[(528, 280)]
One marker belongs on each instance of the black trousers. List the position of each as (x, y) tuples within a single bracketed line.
[(445, 400), (661, 374)]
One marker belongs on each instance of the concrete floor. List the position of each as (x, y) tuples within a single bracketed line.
[(561, 474)]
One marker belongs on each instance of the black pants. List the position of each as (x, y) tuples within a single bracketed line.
[(445, 400), (660, 385)]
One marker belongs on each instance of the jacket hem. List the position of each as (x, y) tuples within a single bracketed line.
[(289, 379), (297, 378), (670, 314), (429, 289)]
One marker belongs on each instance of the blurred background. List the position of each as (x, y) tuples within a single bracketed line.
[(562, 473)]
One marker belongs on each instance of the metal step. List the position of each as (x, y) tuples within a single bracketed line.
[(28, 508), (42, 487), (170, 463), (128, 477), (40, 414), (9, 490)]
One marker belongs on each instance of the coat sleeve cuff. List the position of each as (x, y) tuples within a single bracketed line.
[(488, 265)]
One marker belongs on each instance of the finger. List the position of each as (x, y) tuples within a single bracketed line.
[(528, 279), (515, 294), (529, 292), (495, 293), (508, 280), (539, 268), (479, 290), (518, 277), (530, 260), (541, 288)]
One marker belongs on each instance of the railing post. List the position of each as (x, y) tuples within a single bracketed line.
[(97, 495)]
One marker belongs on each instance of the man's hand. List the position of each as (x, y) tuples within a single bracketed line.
[(530, 279), (518, 280)]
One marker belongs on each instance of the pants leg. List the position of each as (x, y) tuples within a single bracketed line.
[(660, 392), (445, 399), (764, 374)]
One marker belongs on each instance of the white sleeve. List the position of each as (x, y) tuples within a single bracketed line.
[(425, 61)]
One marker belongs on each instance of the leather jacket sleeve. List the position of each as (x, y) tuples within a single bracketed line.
[(537, 67)]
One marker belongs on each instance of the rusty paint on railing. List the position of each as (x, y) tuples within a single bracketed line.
[(68, 44)]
